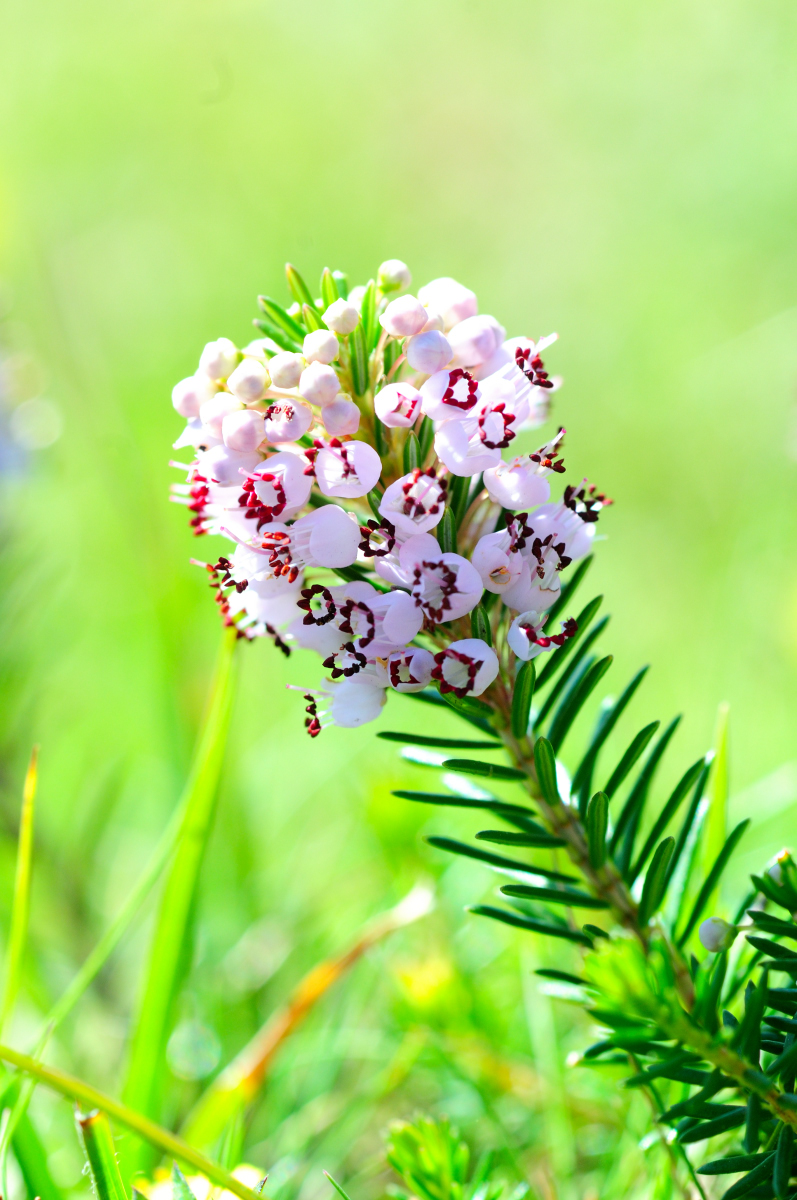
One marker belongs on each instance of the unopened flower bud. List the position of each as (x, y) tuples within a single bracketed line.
[(243, 430), (341, 417), (341, 316), (319, 383), (190, 394), (403, 317), (285, 369), (287, 421), (428, 352), (475, 340), (213, 411), (218, 359), (393, 274), (716, 934), (398, 405), (453, 301), (433, 321), (249, 380), (320, 346)]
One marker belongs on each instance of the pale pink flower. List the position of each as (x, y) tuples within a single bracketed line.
[(341, 418), (466, 667), (428, 352), (214, 410), (219, 359), (452, 300), (450, 395), (398, 405), (190, 394), (415, 502), (286, 369), (347, 469), (404, 317), (320, 346), (319, 383), (341, 317), (249, 380), (287, 420), (526, 639), (410, 670), (243, 430), (523, 482), (475, 340)]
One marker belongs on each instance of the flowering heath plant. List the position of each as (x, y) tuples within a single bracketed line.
[(360, 458)]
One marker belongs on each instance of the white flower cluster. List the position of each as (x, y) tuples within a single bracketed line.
[(354, 456)]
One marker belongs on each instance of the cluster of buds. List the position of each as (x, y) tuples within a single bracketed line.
[(361, 457)]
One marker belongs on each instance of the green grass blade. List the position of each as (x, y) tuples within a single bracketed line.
[(97, 1139), (162, 1139), (688, 822), (337, 1187), (20, 908), (715, 829), (570, 588), (32, 1162), (167, 954), (712, 879)]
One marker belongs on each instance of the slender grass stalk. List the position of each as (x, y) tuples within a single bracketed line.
[(221, 687), (168, 1143), (169, 950), (240, 1081), (97, 1139), (20, 908)]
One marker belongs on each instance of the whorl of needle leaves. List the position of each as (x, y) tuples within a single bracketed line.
[(713, 1041)]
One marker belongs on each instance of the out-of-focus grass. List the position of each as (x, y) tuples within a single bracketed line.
[(621, 173)]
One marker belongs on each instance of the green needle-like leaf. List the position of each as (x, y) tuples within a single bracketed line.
[(622, 842), (781, 1173), (575, 700), (574, 670), (713, 879), (299, 289), (425, 437), (568, 896), (759, 1174), (472, 766), (655, 881), (480, 625), (531, 924), (277, 315), (448, 532), (371, 327), (733, 1164), (667, 813), (283, 340), (630, 757), (97, 1140), (311, 318), (529, 838), (606, 723), (596, 824), (412, 452), (497, 860), (337, 1187), (419, 739), (521, 699), (329, 288), (31, 1159), (180, 1186), (545, 762), (569, 589), (172, 933), (358, 356)]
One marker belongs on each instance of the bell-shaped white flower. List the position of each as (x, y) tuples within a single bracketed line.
[(415, 502), (326, 537), (341, 418), (353, 702), (398, 405), (214, 410), (341, 316), (319, 383), (428, 352), (465, 668), (243, 430), (450, 395), (522, 482), (347, 469), (219, 359), (475, 340), (460, 448), (249, 380), (444, 586), (452, 300), (572, 520), (526, 638), (717, 935), (190, 394), (393, 274), (410, 670), (321, 345), (287, 421), (539, 585), (497, 559), (404, 317), (279, 487), (286, 369), (227, 467)]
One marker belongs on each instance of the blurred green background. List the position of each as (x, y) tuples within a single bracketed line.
[(622, 173)]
